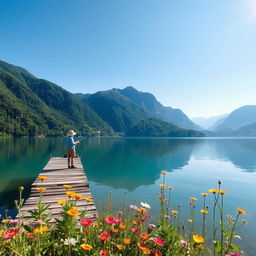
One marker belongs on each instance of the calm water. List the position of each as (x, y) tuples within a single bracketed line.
[(134, 165)]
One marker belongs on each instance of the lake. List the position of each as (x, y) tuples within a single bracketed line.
[(133, 166)]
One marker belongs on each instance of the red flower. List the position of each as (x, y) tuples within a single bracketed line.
[(156, 253), (142, 245), (158, 241), (103, 252), (85, 222), (135, 230), (104, 236), (112, 220), (11, 233)]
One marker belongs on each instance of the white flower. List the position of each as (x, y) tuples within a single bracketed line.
[(133, 207), (145, 205), (70, 241)]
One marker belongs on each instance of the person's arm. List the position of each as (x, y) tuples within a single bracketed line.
[(73, 142)]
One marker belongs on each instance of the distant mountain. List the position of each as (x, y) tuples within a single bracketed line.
[(32, 106), (238, 118), (208, 122), (154, 127), (248, 130), (123, 108)]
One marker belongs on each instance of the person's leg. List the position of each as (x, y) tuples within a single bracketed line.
[(69, 158), (72, 160)]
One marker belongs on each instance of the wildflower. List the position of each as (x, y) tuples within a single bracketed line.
[(41, 189), (234, 254), (167, 217), (146, 251), (5, 220), (88, 199), (241, 211), (21, 188), (1, 232), (145, 205), (170, 187), (120, 213), (40, 230), (142, 210), (70, 193), (164, 172), (158, 241), (127, 241), (61, 202), (135, 230), (122, 226), (73, 212), (86, 247), (11, 233), (204, 194), (108, 203), (184, 244), (142, 245), (204, 211), (174, 212), (156, 253), (144, 236), (111, 220), (198, 239), (150, 228), (67, 186), (193, 198), (77, 196), (86, 222), (42, 178), (115, 230), (104, 236), (162, 185), (213, 190), (221, 191), (133, 207), (190, 221), (39, 222), (70, 241), (103, 253), (119, 247)]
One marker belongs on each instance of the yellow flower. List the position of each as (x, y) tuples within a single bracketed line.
[(174, 212), (88, 199), (162, 185), (198, 239), (170, 187), (127, 241), (70, 193), (204, 211), (67, 186), (213, 190), (86, 247), (241, 211), (41, 189), (40, 230), (61, 202), (204, 194), (5, 220), (42, 178), (122, 226), (1, 232), (119, 247), (164, 172), (73, 212), (190, 221), (223, 191), (193, 198), (134, 222), (146, 251), (77, 196)]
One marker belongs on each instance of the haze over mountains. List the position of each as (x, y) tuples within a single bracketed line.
[(30, 106)]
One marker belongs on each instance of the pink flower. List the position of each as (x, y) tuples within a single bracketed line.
[(112, 220), (135, 230), (158, 241), (14, 221), (39, 222), (103, 252), (184, 244), (133, 207), (104, 236), (120, 213), (86, 222), (234, 254), (11, 233)]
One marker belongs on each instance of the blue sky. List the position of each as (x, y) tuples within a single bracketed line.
[(197, 55)]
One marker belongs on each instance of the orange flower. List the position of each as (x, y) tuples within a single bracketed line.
[(142, 210), (73, 212), (162, 185), (164, 172), (67, 186), (119, 247), (204, 194), (241, 211), (77, 196), (115, 230), (86, 247), (127, 241), (204, 211), (144, 236), (70, 193), (41, 189), (198, 239), (146, 251), (223, 191), (42, 178), (122, 226), (170, 187)]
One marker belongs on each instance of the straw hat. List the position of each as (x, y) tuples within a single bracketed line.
[(71, 133)]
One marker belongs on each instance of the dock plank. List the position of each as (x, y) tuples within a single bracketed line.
[(58, 175)]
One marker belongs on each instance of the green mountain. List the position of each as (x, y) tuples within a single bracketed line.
[(153, 127), (240, 117), (32, 106), (123, 108)]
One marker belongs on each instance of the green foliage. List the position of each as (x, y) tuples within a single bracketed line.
[(157, 128)]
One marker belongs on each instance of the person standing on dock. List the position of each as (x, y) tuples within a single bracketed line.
[(71, 148)]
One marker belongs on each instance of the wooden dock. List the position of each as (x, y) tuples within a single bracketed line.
[(58, 175)]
